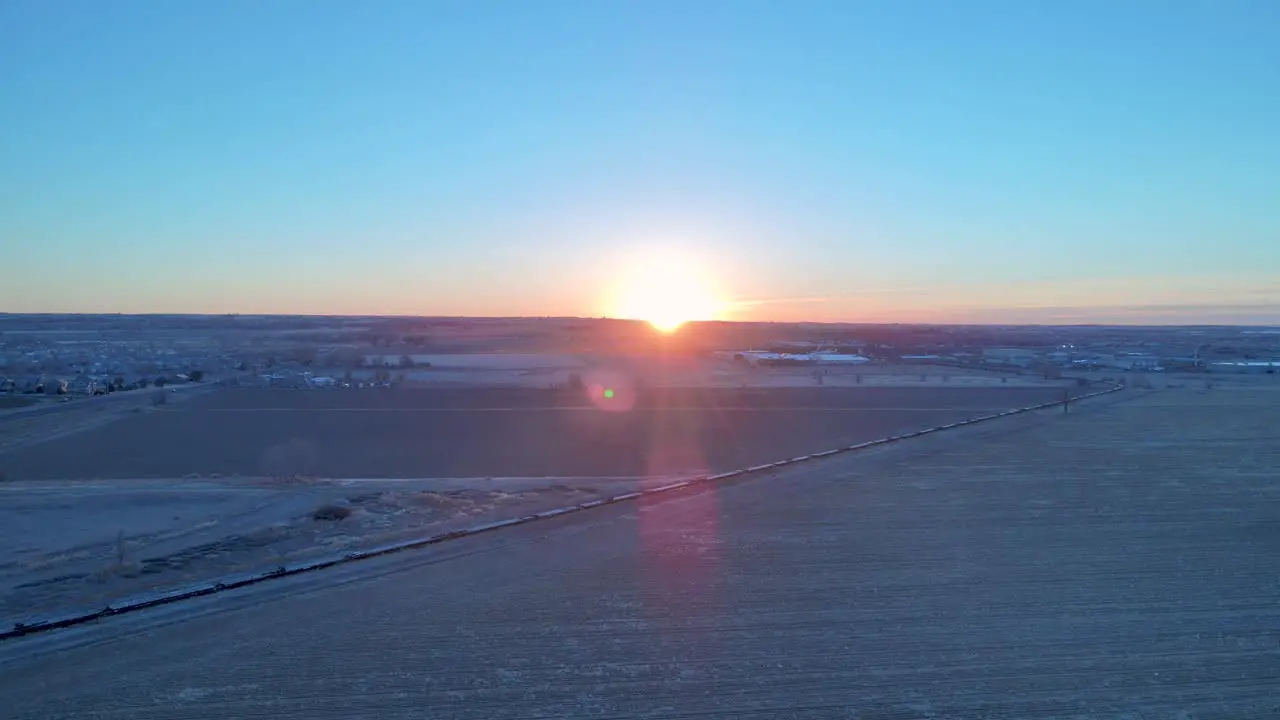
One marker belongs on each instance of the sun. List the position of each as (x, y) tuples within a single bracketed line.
[(666, 292), (668, 324)]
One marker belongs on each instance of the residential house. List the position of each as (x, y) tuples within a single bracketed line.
[(1018, 357)]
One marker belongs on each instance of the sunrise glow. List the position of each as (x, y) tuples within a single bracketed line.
[(666, 290)]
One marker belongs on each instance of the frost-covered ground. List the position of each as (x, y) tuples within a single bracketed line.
[(1114, 562), (70, 546)]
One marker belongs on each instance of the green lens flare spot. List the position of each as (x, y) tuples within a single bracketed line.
[(608, 392)]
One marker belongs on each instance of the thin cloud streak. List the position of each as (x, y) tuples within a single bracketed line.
[(1190, 300)]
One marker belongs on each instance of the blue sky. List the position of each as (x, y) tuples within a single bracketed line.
[(848, 160)]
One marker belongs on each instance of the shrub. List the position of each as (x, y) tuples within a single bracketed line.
[(331, 512)]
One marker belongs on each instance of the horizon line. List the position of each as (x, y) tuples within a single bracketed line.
[(603, 318)]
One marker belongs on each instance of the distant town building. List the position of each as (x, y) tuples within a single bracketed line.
[(1183, 363), (1019, 357), (1270, 367), (1133, 361), (764, 357)]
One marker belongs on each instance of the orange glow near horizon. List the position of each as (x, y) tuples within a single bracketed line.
[(666, 291)]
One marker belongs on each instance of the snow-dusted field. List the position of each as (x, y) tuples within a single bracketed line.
[(1115, 562), (73, 545), (80, 545)]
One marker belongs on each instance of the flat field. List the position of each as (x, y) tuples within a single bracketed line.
[(1116, 562), (384, 433), (227, 481)]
